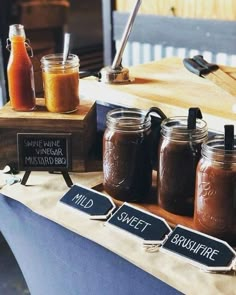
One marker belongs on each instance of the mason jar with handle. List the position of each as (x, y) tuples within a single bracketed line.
[(178, 154), (215, 194), (128, 153)]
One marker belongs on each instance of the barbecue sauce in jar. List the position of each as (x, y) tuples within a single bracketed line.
[(127, 155), (179, 153), (215, 194)]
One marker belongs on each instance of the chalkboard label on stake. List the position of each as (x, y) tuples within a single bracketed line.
[(95, 204), (201, 250), (148, 227), (44, 151)]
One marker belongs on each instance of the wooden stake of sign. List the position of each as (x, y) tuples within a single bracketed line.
[(25, 177), (65, 175), (44, 152)]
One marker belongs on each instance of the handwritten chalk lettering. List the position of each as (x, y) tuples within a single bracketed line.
[(196, 248), (60, 161), (49, 151), (133, 221), (33, 143), (82, 201), (52, 143), (42, 143), (44, 151), (89, 201), (44, 161)]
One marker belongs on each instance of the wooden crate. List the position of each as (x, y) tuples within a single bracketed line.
[(81, 124)]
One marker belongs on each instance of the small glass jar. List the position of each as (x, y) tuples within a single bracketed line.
[(215, 195), (61, 82), (178, 156), (127, 155)]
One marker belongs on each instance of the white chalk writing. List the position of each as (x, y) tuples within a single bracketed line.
[(195, 247), (82, 201), (133, 221)]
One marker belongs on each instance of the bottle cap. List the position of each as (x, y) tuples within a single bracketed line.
[(16, 30)]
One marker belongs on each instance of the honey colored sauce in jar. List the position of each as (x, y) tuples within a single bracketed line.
[(61, 83)]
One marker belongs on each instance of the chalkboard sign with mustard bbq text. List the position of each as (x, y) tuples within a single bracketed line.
[(204, 251), (45, 152)]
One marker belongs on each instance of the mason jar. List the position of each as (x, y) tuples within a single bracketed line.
[(127, 155), (178, 154), (215, 197), (61, 82)]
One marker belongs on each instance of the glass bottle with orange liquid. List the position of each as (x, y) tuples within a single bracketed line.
[(20, 71)]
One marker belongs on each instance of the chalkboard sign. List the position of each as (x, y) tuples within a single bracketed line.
[(149, 227), (204, 251), (44, 151), (89, 201)]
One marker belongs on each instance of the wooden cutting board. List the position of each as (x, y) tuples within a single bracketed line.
[(168, 85)]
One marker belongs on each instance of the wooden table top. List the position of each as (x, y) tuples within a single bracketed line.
[(169, 86)]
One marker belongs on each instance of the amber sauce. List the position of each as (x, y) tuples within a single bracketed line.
[(20, 76), (61, 90)]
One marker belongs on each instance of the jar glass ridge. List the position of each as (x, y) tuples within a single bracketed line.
[(175, 128), (127, 157), (178, 156), (128, 120), (215, 192)]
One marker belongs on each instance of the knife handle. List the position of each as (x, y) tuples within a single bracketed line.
[(195, 68), (202, 62)]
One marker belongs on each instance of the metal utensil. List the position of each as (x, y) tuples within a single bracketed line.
[(116, 73), (66, 47)]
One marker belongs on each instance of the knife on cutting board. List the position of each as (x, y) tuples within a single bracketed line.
[(212, 72)]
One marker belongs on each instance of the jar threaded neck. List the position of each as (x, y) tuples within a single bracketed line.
[(213, 149), (176, 128), (128, 120)]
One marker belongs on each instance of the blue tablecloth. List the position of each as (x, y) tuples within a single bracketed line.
[(55, 260)]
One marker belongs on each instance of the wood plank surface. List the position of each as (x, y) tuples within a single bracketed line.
[(169, 86), (208, 9), (40, 117), (151, 205)]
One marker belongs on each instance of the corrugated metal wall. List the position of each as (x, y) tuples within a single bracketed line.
[(137, 53)]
